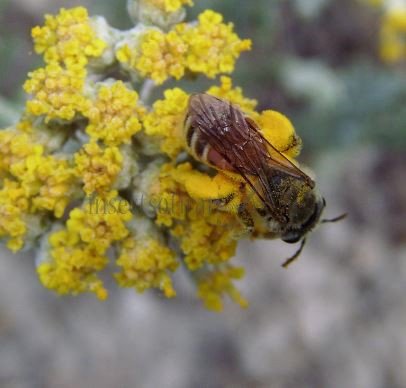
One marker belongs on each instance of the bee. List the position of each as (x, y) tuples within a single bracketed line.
[(221, 136)]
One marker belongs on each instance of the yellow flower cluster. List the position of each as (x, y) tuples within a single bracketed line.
[(165, 121), (47, 180), (66, 41), (84, 136), (114, 115), (159, 55), (15, 146), (14, 205), (57, 91), (145, 264), (72, 267), (67, 38), (169, 5), (216, 230), (210, 47), (98, 167), (393, 35), (78, 252), (213, 285), (213, 46), (33, 182)]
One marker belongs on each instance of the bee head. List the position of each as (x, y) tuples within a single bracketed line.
[(303, 218)]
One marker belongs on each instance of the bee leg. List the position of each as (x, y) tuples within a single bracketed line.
[(223, 202), (245, 217)]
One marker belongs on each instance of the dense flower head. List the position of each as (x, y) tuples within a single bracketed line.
[(57, 92), (193, 219), (169, 5), (209, 47), (114, 115), (14, 205), (47, 180), (98, 167), (213, 285), (393, 35), (199, 233), (158, 56), (145, 263), (36, 183), (76, 252), (213, 46), (165, 120), (67, 38), (95, 173), (72, 266), (15, 146)]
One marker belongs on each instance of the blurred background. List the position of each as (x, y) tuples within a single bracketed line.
[(337, 317)]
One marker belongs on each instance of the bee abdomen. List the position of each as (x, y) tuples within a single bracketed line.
[(195, 142), (200, 148)]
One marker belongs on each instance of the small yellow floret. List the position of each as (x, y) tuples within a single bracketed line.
[(114, 115), (217, 283)]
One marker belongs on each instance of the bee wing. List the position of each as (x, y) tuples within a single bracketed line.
[(226, 131)]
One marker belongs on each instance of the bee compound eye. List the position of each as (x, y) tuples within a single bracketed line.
[(291, 237)]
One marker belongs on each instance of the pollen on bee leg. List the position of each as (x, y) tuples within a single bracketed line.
[(280, 132), (245, 217), (202, 186)]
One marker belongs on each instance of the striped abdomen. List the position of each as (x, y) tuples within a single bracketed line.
[(199, 147)]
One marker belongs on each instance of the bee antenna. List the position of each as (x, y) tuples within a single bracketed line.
[(295, 256), (335, 219)]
